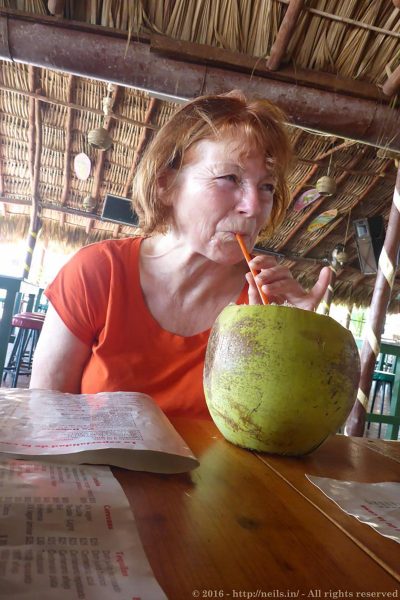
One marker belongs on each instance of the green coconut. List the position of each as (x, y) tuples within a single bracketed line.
[(279, 379)]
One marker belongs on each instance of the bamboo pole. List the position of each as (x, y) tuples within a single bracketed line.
[(388, 261), (349, 310), (284, 34), (348, 21), (35, 221)]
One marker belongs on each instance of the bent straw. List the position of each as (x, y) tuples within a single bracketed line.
[(253, 271)]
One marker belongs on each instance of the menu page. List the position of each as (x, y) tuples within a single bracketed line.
[(67, 533), (124, 429), (376, 504)]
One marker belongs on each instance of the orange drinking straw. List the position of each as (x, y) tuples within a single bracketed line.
[(253, 271)]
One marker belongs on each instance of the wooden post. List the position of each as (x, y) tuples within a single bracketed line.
[(35, 144), (380, 300), (349, 310)]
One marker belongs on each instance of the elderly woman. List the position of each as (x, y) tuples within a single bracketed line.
[(134, 314)]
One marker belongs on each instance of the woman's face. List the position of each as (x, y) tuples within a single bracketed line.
[(222, 189)]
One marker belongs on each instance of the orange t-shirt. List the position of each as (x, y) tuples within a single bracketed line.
[(98, 296)]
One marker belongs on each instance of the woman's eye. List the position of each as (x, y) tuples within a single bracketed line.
[(268, 187), (230, 177)]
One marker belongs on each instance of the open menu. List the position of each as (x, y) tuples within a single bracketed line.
[(66, 533), (123, 429)]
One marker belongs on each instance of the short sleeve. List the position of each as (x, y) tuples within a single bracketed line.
[(80, 291)]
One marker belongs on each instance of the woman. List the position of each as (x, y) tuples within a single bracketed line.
[(135, 314)]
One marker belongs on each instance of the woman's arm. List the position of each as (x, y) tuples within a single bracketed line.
[(59, 358)]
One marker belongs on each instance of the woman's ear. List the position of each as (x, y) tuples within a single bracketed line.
[(165, 185)]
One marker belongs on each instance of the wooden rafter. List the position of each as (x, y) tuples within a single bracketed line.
[(83, 48), (142, 143), (67, 151), (54, 207), (32, 82), (316, 204), (327, 230), (284, 34), (74, 105)]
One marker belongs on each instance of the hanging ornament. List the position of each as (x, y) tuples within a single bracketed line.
[(305, 199), (82, 166), (322, 220), (326, 186), (99, 137), (339, 254), (89, 203)]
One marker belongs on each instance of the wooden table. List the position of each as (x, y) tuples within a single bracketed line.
[(244, 523)]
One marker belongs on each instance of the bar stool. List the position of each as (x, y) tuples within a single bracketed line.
[(20, 361)]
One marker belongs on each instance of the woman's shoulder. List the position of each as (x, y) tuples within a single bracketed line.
[(110, 250)]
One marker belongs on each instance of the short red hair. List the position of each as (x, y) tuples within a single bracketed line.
[(258, 122)]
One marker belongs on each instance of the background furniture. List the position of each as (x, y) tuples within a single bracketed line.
[(11, 286), (29, 326)]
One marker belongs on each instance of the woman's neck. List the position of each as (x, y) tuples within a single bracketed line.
[(192, 290)]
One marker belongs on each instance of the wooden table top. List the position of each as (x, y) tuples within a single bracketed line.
[(252, 523)]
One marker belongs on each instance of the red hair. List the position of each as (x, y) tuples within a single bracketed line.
[(257, 123)]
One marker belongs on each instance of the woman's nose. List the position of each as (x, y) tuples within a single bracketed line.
[(250, 202)]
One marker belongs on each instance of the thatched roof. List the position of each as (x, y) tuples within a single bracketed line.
[(47, 114)]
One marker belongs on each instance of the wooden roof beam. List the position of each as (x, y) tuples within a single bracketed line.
[(56, 207), (101, 53), (67, 150), (317, 203), (327, 230), (284, 34), (142, 143), (337, 222), (57, 102)]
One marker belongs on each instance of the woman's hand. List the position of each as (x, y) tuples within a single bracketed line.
[(279, 285)]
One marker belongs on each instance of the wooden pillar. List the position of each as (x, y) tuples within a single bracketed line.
[(380, 300), (35, 150), (34, 228), (349, 310)]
